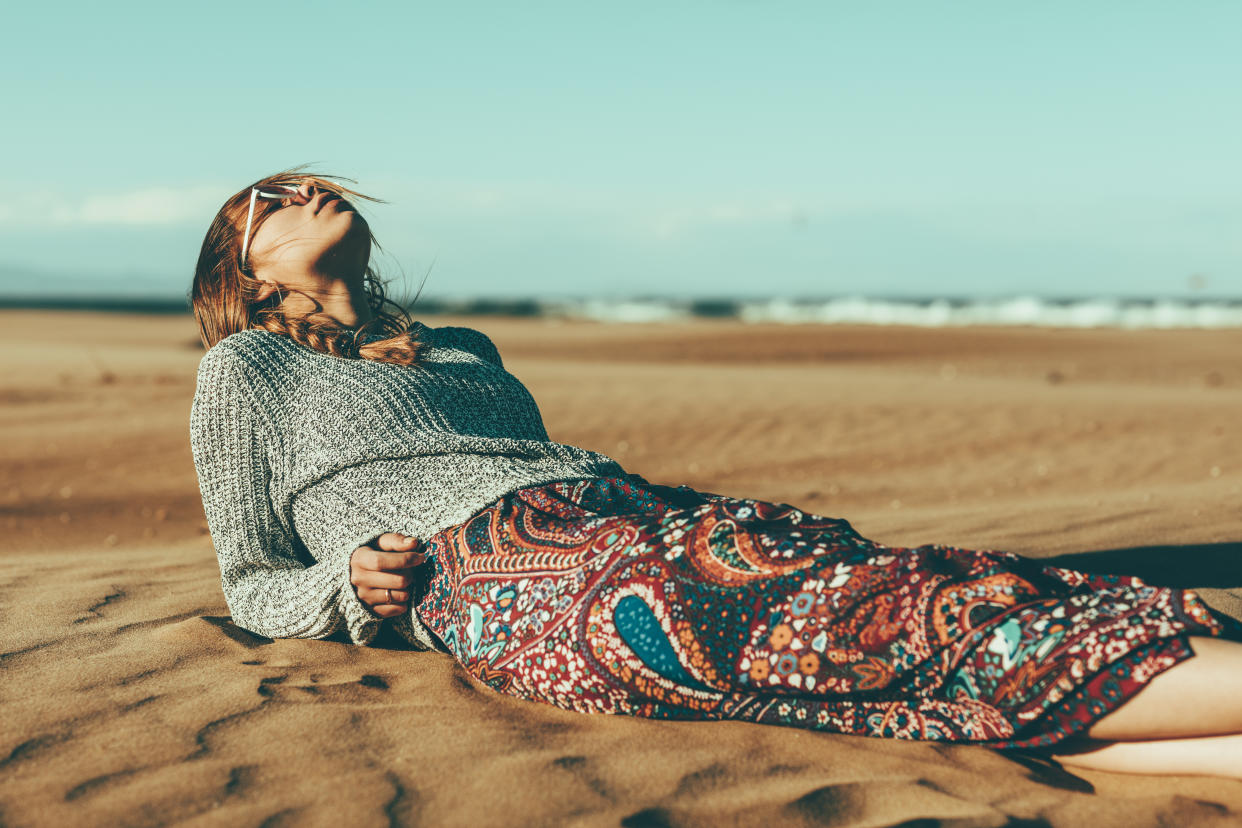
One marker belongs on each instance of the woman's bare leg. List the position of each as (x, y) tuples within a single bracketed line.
[(1186, 720), (1197, 697), (1204, 756)]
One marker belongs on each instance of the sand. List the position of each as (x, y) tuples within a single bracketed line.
[(129, 698)]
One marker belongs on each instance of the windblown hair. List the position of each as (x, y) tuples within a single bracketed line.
[(223, 292)]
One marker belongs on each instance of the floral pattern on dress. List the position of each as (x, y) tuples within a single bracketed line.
[(615, 595)]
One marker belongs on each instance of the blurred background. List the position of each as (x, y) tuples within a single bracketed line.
[(923, 162)]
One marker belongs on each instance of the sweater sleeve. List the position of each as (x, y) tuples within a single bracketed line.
[(269, 591)]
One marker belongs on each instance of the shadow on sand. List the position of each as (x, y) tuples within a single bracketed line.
[(1216, 565)]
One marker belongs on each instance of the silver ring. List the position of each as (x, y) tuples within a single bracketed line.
[(389, 595)]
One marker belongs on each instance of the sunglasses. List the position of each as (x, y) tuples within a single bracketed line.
[(275, 192)]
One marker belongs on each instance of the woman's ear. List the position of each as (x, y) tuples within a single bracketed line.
[(265, 290)]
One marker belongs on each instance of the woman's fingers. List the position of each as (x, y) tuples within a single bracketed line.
[(385, 565), (366, 557), (395, 542), (377, 597), (379, 580)]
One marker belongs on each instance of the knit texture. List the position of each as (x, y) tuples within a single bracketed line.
[(303, 456)]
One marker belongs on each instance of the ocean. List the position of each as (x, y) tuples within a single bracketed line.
[(1033, 311)]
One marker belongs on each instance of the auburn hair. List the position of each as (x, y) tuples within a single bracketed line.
[(223, 292)]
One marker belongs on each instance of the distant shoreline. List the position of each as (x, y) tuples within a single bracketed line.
[(1021, 311)]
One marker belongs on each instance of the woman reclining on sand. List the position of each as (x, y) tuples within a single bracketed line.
[(360, 468)]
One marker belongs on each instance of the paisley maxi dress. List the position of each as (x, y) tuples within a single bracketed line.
[(616, 595)]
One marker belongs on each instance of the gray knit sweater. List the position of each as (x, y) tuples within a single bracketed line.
[(303, 456)]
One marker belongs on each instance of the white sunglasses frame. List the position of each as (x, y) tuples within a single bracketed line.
[(255, 192)]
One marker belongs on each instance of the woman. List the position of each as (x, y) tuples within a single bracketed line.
[(357, 467)]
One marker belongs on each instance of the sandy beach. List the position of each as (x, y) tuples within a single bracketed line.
[(129, 698)]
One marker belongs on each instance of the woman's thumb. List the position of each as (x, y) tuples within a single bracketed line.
[(395, 542)]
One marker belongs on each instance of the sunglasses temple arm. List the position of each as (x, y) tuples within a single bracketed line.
[(254, 194)]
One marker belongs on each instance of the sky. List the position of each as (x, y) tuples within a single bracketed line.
[(723, 149)]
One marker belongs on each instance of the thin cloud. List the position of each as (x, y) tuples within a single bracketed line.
[(152, 206), (672, 223), (148, 207)]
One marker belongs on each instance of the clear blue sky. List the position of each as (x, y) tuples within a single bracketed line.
[(694, 148)]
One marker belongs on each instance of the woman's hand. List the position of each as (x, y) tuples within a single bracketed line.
[(382, 570)]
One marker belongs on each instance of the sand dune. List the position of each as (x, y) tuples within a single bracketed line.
[(130, 698)]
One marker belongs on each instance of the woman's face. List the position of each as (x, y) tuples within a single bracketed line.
[(315, 232)]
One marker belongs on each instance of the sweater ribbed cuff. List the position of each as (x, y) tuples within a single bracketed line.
[(361, 623)]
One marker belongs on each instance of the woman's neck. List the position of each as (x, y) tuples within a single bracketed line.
[(338, 302)]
